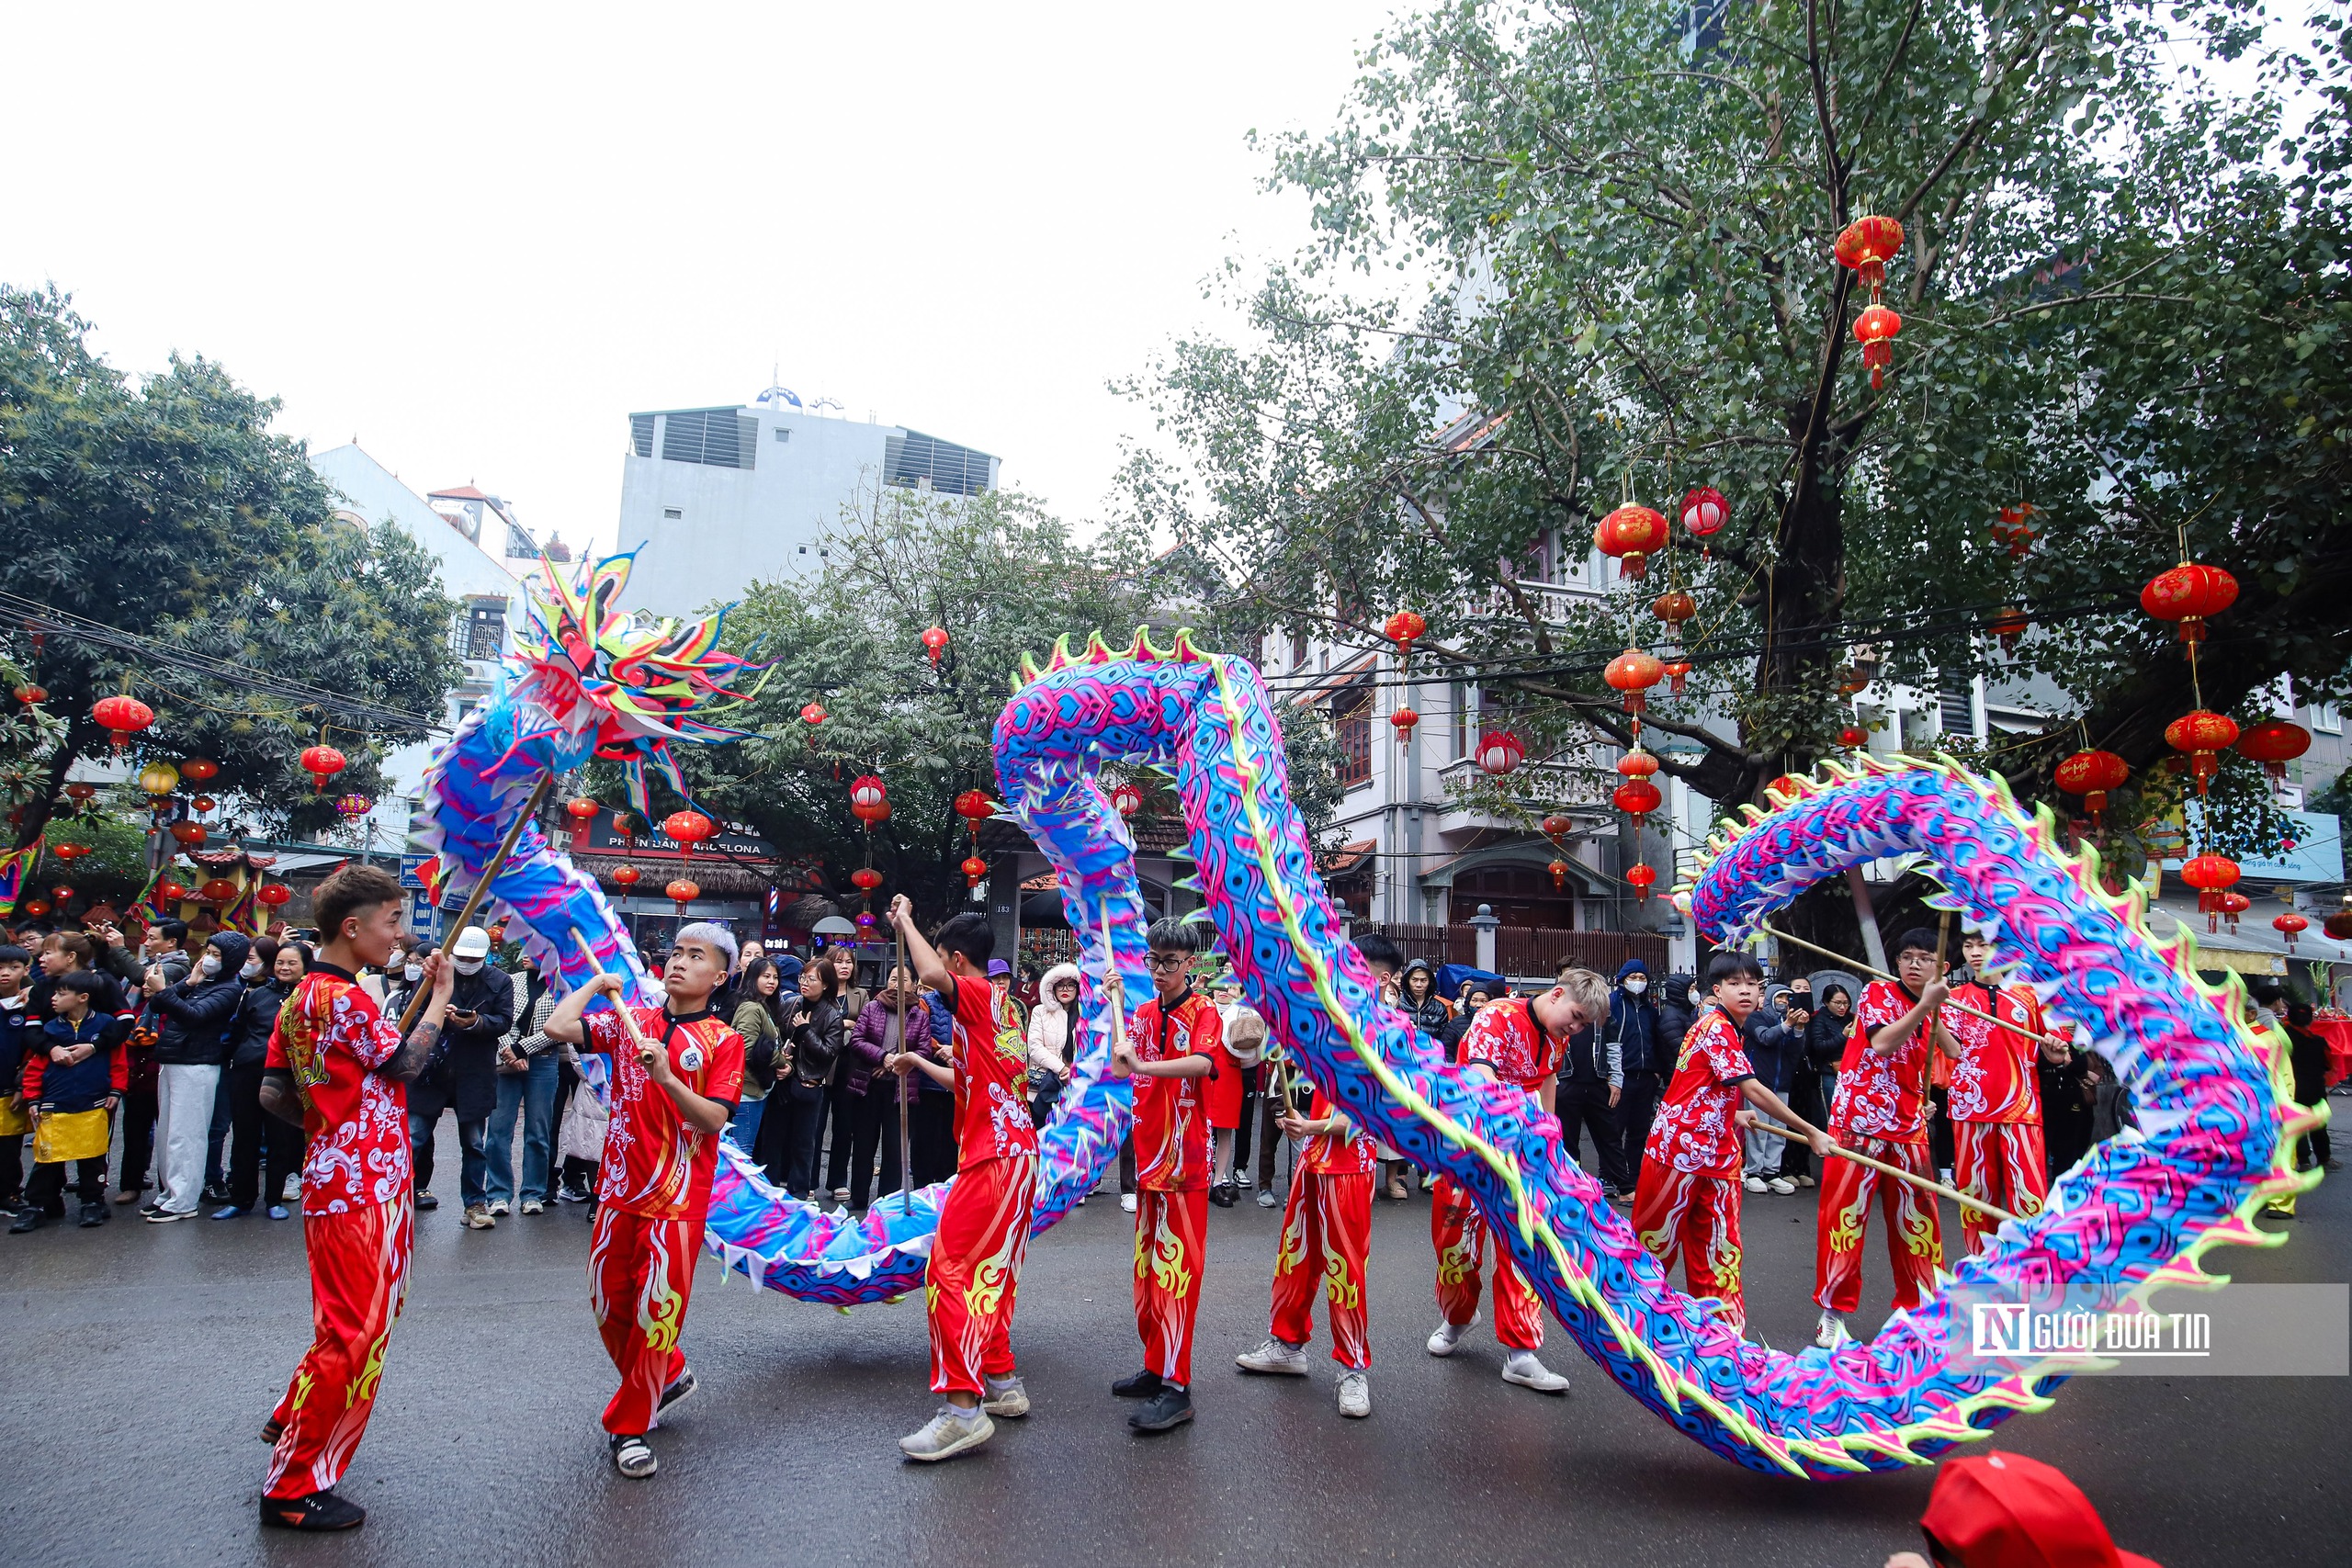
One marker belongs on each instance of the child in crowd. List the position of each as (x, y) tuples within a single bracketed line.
[(1687, 1201), (73, 1077), (15, 964), (973, 1280)]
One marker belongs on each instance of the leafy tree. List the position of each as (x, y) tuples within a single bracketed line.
[(168, 511), (1570, 255)]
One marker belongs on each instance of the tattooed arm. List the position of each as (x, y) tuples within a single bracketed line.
[(408, 1058)]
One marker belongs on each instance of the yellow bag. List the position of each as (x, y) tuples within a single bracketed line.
[(73, 1134), (14, 1123)]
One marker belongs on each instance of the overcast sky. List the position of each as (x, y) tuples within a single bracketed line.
[(477, 237)]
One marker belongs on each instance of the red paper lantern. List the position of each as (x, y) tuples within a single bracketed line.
[(219, 890), (2291, 926), (2232, 905), (2189, 594), (934, 642), (1634, 673), (79, 792), (1559, 870), (582, 809), (813, 714), (32, 696), (1501, 753), (36, 908), (1404, 629), (1874, 329), (190, 834), (689, 828), (1633, 534), (201, 770), (62, 893), (69, 852), (1642, 877), (1854, 735), (168, 892), (2339, 925), (2210, 874), (2200, 735), (1403, 719), (1867, 245), (1674, 608), (1705, 511), (2014, 530), (276, 895), (2091, 775), (205, 802), (974, 807), (1637, 764), (122, 717), (1637, 798), (1557, 827), (625, 875), (869, 801), (2009, 625), (2274, 743), (682, 891), (1126, 800), (321, 762), (1677, 671), (1786, 786), (865, 879), (975, 868)]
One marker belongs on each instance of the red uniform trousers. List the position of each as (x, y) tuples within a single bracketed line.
[(974, 1276), (2000, 1163), (1327, 1235), (1696, 1216), (1462, 1242), (358, 1280), (1171, 1247), (1914, 1238), (640, 1274)]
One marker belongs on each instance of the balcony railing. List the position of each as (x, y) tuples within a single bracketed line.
[(1524, 949)]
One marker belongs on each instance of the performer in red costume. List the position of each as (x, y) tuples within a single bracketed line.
[(676, 1076), (339, 1069), (1521, 1041), (1881, 1110), (1996, 1100), (1686, 1202), (973, 1278), (1327, 1235), (1173, 1043)]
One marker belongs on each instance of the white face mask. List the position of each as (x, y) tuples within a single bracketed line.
[(1636, 985), (251, 971), (470, 965), (413, 972), (208, 966)]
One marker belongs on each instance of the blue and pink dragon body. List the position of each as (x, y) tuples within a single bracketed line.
[(2136, 1215)]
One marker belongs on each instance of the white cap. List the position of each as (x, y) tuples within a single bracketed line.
[(472, 943)]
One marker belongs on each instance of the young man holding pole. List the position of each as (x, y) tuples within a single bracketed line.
[(340, 1069), (1173, 1041), (677, 1071), (1881, 1110), (1687, 1201), (973, 1279), (1995, 1099), (1521, 1041)]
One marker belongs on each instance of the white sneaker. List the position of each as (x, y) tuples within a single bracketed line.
[(1781, 1184), (947, 1434), (1006, 1397), (1830, 1332), (1241, 1179), (293, 1189), (533, 1206), (840, 1194), (1127, 1202), (498, 1209), (632, 1456), (1448, 1336), (1355, 1395), (1275, 1357), (1525, 1370), (1754, 1184)]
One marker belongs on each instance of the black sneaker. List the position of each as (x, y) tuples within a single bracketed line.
[(1143, 1385), (684, 1386), (1170, 1408), (28, 1220), (1222, 1195), (425, 1199), (94, 1215), (319, 1511), (632, 1456)]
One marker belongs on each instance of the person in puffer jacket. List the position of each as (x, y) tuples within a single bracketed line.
[(1637, 1031), (197, 1024)]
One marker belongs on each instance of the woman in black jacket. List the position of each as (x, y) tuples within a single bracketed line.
[(197, 1018), (819, 1036), (263, 1150)]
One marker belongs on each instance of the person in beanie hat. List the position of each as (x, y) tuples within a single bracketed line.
[(2008, 1511)]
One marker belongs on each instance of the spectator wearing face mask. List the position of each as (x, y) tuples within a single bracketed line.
[(461, 1076), (264, 1149), (216, 1166), (529, 1071), (197, 1021), (1638, 1037)]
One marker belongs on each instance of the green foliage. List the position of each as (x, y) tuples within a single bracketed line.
[(169, 511), (1564, 258)]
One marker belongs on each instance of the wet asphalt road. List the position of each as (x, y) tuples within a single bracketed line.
[(139, 1360)]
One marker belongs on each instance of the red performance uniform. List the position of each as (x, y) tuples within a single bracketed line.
[(1995, 1109), (355, 1221), (653, 1195), (1327, 1236), (1880, 1110), (974, 1277), (1686, 1202), (1505, 1037), (1172, 1142)]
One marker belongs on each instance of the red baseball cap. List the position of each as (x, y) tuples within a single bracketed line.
[(2008, 1511)]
